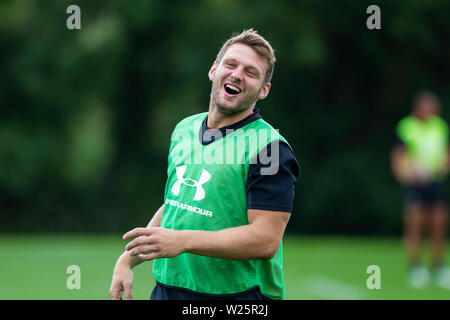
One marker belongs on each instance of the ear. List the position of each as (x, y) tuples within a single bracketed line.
[(264, 91), (212, 70)]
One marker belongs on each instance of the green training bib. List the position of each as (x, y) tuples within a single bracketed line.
[(426, 143), (206, 190)]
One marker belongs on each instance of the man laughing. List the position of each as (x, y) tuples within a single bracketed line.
[(219, 233)]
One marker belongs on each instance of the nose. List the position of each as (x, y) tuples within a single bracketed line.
[(236, 76)]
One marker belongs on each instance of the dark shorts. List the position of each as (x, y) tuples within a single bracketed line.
[(428, 194), (165, 292)]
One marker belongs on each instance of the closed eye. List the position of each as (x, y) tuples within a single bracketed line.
[(253, 73)]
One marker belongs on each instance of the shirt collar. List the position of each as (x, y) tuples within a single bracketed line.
[(207, 135)]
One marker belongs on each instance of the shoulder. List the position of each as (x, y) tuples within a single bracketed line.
[(276, 158), (440, 122), (270, 185), (406, 126), (406, 121), (193, 118), (278, 144), (273, 134), (287, 158)]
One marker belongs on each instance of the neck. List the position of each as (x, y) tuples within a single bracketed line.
[(422, 117), (218, 119)]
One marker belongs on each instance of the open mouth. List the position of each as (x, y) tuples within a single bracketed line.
[(231, 89)]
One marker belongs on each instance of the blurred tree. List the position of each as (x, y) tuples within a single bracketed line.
[(86, 116)]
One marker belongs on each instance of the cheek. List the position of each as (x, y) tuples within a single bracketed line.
[(255, 85), (215, 78)]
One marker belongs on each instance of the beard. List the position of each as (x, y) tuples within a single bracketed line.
[(241, 103)]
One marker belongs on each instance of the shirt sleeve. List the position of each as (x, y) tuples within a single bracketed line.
[(273, 192)]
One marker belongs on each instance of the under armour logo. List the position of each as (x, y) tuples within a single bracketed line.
[(200, 193)]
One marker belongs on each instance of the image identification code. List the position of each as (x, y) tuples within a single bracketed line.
[(229, 309)]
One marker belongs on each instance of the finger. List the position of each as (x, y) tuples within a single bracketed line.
[(145, 249), (128, 295), (136, 232), (115, 294), (142, 240), (148, 257), (128, 291), (139, 242)]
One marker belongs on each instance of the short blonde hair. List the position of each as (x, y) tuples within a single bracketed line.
[(252, 39)]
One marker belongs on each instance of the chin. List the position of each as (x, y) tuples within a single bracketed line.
[(226, 110), (230, 109)]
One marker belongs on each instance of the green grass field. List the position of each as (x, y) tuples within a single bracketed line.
[(34, 267)]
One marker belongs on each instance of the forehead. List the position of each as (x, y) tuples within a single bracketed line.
[(245, 55)]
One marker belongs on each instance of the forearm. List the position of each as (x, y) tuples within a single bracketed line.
[(401, 166), (128, 261), (259, 239), (156, 219), (131, 261), (238, 243)]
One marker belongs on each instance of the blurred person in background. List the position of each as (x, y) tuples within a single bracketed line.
[(420, 163)]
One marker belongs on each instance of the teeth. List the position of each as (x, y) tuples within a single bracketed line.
[(233, 87)]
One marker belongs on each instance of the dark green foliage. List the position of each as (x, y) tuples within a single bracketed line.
[(86, 116)]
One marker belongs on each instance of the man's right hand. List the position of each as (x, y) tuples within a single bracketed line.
[(122, 280)]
